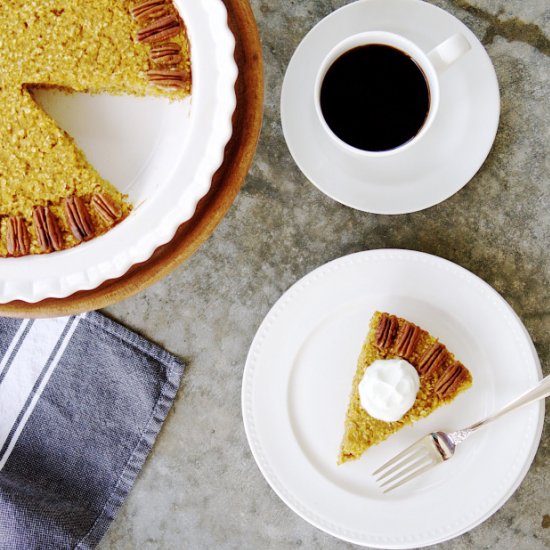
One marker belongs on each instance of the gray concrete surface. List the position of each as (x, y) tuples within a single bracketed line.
[(200, 487)]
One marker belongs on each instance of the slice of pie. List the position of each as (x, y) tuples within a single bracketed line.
[(442, 378), (51, 198)]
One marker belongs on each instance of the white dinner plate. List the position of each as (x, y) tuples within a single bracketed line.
[(428, 172), (163, 154), (297, 382)]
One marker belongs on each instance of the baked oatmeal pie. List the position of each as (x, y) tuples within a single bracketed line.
[(51, 198), (441, 378)]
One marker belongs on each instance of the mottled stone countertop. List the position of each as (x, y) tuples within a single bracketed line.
[(200, 487)]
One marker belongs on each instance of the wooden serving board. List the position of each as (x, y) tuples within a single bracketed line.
[(226, 183)]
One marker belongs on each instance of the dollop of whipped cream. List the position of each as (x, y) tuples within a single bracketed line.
[(388, 389)]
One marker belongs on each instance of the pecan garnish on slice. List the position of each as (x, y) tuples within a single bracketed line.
[(47, 229), (166, 54), (386, 331), (451, 379), (407, 340), (150, 9), (106, 208), (168, 78), (18, 240), (160, 30), (432, 359), (78, 218)]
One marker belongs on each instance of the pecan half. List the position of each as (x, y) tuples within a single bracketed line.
[(432, 359), (386, 331), (144, 5), (169, 78), (166, 54), (451, 379), (78, 218), (407, 340), (18, 240), (160, 30), (106, 207), (47, 229), (150, 9)]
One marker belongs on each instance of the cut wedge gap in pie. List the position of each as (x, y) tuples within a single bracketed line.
[(51, 198), (442, 378)]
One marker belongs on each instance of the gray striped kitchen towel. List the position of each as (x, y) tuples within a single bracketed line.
[(82, 400)]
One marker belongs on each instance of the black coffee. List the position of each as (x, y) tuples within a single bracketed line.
[(375, 97)]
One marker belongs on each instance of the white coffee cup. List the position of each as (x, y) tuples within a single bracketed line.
[(432, 65)]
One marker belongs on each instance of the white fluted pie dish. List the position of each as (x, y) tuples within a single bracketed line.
[(162, 154)]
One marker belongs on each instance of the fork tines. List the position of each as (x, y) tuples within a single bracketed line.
[(413, 461)]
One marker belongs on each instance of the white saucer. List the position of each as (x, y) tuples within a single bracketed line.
[(432, 170), (297, 382)]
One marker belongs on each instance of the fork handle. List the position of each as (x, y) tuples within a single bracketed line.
[(540, 391)]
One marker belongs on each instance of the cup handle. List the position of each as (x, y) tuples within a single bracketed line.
[(449, 51)]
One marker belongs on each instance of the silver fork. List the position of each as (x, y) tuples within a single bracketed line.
[(437, 447)]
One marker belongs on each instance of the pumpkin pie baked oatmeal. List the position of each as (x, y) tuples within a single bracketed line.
[(51, 198), (440, 378)]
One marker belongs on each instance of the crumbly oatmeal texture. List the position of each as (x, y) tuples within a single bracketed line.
[(442, 378), (50, 196)]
